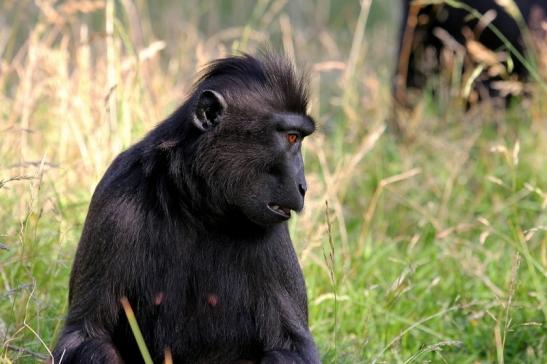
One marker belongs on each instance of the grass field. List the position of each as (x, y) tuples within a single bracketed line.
[(427, 247)]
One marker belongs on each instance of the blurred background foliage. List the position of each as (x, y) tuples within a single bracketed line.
[(424, 247)]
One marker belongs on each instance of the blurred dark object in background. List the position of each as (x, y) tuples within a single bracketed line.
[(460, 46)]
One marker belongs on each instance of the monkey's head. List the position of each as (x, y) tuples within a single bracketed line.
[(249, 120)]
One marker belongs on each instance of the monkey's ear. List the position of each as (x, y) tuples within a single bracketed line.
[(209, 109)]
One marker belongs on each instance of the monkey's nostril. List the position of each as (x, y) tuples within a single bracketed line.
[(302, 188)]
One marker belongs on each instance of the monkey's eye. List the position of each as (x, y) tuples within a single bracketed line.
[(292, 138)]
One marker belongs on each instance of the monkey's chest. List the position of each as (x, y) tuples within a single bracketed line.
[(229, 299), (219, 314)]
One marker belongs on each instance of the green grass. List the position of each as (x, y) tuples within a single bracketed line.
[(434, 245), (439, 261)]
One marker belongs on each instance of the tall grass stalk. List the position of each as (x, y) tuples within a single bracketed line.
[(136, 331)]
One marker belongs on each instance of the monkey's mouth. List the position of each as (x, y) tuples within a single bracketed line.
[(284, 212)]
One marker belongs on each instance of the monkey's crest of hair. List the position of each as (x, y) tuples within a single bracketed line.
[(271, 76)]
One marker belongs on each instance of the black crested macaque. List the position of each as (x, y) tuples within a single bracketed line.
[(428, 29), (190, 225)]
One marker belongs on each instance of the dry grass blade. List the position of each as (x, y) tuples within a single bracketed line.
[(367, 217), (410, 328), (433, 348), (168, 356), (38, 356), (330, 260), (358, 40), (501, 338)]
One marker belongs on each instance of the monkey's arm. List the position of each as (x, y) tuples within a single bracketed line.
[(85, 337), (301, 348), (73, 347), (96, 284), (304, 352)]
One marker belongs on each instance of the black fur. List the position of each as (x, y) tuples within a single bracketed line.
[(414, 67), (183, 225)]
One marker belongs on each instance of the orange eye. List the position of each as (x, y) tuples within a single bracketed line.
[(292, 138)]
